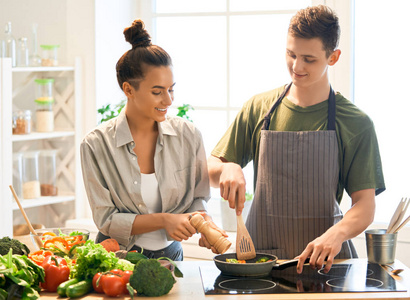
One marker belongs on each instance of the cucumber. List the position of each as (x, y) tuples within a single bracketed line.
[(79, 289), (62, 288)]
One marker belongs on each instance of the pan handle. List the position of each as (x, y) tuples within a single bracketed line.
[(288, 263)]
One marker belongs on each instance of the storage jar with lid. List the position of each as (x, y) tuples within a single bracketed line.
[(21, 122), (49, 57), (47, 172), (31, 183), (18, 173), (44, 105)]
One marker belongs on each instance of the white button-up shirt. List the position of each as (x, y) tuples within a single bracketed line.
[(112, 176)]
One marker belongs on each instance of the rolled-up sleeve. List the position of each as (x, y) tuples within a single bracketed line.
[(112, 177)]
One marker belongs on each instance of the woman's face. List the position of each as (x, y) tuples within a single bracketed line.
[(306, 60), (154, 95)]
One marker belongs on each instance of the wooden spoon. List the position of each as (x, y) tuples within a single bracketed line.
[(30, 227), (393, 270), (244, 245)]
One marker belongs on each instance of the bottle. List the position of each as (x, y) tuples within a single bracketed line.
[(31, 183), (44, 105), (2, 47), (47, 172), (10, 44), (22, 53), (214, 237), (18, 173), (35, 59)]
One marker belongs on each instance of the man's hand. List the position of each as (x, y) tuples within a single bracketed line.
[(321, 250), (328, 245), (230, 179)]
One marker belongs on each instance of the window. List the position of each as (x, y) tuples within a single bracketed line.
[(223, 53), (380, 89)]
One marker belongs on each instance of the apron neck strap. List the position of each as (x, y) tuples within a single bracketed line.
[(331, 112)]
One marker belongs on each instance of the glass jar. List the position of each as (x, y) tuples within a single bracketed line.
[(21, 122), (49, 57), (35, 59), (44, 105), (47, 172), (31, 183), (22, 53), (18, 173), (8, 45)]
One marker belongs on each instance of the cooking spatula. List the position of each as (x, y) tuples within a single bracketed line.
[(30, 227), (244, 245)]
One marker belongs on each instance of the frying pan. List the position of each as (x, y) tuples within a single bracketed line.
[(251, 268)]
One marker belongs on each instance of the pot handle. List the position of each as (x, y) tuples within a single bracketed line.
[(288, 263)]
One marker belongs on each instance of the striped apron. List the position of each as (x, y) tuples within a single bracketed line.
[(295, 196)]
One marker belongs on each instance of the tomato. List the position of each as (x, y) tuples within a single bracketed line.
[(112, 285), (126, 279), (98, 288), (117, 272)]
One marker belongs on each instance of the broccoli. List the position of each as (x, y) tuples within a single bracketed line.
[(151, 279), (18, 247)]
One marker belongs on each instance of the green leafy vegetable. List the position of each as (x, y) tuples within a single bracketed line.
[(19, 277), (91, 259)]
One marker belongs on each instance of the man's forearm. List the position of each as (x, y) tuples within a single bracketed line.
[(360, 215), (214, 170)]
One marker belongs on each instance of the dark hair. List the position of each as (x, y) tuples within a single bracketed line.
[(317, 22), (131, 66)]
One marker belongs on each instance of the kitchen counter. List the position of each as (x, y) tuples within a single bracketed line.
[(190, 287)]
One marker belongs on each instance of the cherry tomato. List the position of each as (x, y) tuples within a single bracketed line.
[(126, 279), (112, 285), (98, 288)]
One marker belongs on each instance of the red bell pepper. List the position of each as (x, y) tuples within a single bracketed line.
[(56, 271), (39, 256)]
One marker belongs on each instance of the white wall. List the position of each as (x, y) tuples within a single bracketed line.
[(111, 17)]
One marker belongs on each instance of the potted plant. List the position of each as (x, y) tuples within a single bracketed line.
[(228, 215), (109, 111)]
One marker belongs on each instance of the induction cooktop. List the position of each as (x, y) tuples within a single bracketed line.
[(355, 277)]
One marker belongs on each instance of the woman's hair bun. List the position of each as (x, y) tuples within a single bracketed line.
[(136, 35)]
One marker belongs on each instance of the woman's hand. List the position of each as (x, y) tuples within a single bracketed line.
[(178, 226), (203, 242)]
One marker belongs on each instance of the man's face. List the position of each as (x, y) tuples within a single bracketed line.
[(306, 60)]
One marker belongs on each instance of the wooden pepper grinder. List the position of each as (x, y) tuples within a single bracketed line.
[(214, 237)]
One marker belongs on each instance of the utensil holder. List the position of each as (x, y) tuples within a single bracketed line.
[(381, 246)]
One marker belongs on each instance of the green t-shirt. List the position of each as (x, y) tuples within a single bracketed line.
[(359, 157)]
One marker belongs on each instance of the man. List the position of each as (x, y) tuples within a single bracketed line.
[(307, 145)]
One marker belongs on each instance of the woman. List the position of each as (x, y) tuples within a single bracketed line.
[(144, 172)]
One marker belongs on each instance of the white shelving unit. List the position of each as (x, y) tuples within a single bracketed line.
[(16, 86)]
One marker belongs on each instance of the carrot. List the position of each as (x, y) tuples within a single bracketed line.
[(111, 245)]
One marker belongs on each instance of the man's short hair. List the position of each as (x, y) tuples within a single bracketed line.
[(317, 22)]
